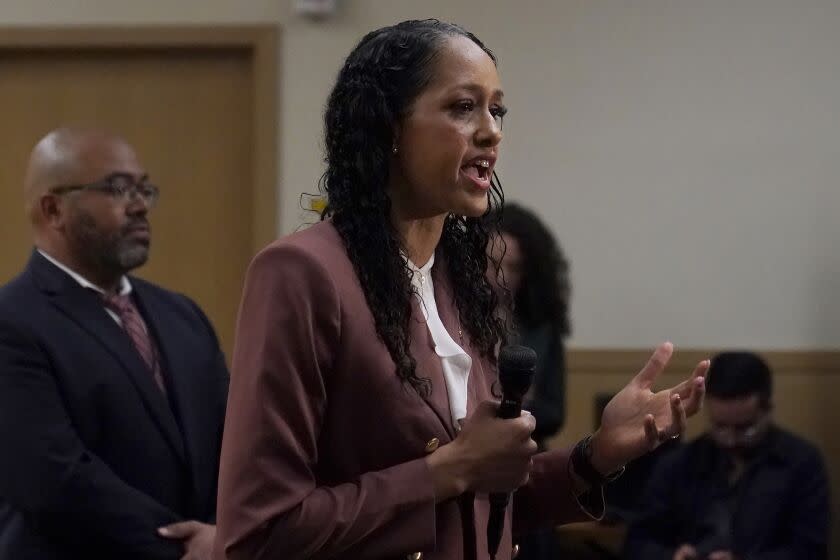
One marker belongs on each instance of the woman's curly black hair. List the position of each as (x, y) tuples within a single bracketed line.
[(374, 91), (543, 294)]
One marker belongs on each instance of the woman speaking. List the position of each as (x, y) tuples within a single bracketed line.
[(361, 421)]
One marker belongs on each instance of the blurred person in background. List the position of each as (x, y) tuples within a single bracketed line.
[(535, 273), (745, 490), (534, 289)]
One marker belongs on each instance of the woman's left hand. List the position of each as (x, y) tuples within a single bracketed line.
[(637, 420)]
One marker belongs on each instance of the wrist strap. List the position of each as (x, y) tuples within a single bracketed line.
[(582, 464)]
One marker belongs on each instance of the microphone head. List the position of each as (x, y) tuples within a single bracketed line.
[(517, 365)]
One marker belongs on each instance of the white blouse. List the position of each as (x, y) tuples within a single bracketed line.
[(455, 361)]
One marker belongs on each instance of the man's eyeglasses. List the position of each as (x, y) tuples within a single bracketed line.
[(740, 434), (119, 186)]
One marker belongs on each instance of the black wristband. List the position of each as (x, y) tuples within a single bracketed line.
[(582, 464)]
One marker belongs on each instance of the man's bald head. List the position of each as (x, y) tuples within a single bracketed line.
[(88, 225), (73, 156)]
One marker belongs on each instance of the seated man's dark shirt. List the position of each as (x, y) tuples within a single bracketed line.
[(778, 508)]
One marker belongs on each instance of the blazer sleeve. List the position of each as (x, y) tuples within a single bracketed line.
[(271, 502), (47, 472), (547, 499)]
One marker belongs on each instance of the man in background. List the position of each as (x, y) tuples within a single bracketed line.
[(745, 490), (112, 389)]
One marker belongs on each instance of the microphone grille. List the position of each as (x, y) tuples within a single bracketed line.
[(514, 361), (518, 357)]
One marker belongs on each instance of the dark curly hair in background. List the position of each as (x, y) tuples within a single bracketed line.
[(374, 91), (543, 295)]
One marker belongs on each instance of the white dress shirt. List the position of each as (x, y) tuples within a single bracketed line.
[(455, 361)]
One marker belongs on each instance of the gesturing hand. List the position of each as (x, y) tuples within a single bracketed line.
[(637, 420)]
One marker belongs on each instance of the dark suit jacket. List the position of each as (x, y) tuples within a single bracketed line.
[(94, 456), (324, 448)]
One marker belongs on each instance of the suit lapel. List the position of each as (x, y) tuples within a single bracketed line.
[(85, 308), (177, 372)]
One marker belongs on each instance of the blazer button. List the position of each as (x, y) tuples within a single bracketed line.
[(433, 444), (415, 556), (515, 552)]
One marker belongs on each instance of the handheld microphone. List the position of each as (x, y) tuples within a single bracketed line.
[(517, 365)]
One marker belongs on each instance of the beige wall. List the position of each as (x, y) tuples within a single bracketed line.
[(687, 153)]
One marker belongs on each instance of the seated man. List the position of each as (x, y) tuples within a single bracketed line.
[(745, 490), (112, 389)]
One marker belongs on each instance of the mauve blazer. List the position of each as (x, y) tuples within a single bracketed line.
[(323, 454)]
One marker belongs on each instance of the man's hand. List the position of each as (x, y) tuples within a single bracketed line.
[(686, 552), (197, 538), (722, 555)]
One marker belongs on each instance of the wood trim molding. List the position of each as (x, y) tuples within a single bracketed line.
[(262, 41), (625, 361), (132, 37)]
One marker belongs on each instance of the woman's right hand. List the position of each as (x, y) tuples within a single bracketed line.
[(489, 455)]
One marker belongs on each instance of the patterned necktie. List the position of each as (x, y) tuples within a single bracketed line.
[(134, 326)]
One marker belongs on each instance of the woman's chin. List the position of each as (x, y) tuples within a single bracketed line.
[(473, 208)]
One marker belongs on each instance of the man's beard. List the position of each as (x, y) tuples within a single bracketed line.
[(113, 253)]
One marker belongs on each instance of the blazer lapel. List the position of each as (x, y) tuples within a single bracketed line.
[(477, 389), (85, 308), (428, 362), (429, 366)]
